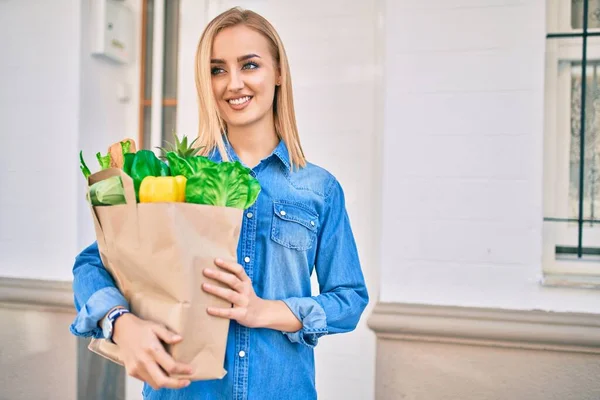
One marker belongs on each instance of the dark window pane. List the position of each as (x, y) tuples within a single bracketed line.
[(169, 124), (148, 48), (171, 44), (577, 14), (147, 127), (591, 171)]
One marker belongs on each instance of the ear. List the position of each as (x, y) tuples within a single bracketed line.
[(278, 80)]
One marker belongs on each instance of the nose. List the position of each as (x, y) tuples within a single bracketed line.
[(236, 82)]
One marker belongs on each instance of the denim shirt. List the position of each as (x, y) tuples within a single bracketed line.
[(298, 224)]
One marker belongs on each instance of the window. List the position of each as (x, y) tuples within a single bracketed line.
[(158, 88), (572, 147)]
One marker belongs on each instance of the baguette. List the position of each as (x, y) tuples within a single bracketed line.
[(116, 153)]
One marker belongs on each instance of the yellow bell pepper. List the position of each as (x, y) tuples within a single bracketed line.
[(160, 189)]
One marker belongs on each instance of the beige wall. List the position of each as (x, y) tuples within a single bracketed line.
[(451, 353), (411, 370), (39, 358), (38, 355)]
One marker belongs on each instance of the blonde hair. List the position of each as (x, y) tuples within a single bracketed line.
[(211, 126)]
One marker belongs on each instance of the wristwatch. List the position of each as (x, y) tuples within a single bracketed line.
[(108, 322)]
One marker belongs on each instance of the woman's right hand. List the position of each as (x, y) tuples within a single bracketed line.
[(143, 353)]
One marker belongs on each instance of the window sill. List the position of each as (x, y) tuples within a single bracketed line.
[(570, 272), (571, 280)]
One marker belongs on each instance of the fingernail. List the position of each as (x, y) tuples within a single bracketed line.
[(218, 260), (176, 337)]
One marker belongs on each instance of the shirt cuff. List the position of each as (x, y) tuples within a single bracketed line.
[(100, 303), (313, 318)]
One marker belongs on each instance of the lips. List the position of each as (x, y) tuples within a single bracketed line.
[(240, 100), (239, 103)]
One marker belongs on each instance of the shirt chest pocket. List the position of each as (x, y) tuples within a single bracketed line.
[(294, 226)]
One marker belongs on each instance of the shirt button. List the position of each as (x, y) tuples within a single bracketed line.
[(247, 259), (282, 212), (242, 354), (312, 223), (249, 215)]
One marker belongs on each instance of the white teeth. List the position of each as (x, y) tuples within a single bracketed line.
[(239, 101)]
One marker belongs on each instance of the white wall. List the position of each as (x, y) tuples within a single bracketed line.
[(104, 119), (462, 156), (333, 57), (39, 105), (55, 100)]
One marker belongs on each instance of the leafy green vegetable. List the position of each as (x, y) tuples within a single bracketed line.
[(84, 168), (253, 191), (125, 146), (227, 184), (186, 166), (128, 162), (142, 164), (104, 161), (108, 192)]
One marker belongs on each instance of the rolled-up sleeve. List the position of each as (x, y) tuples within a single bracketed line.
[(312, 316), (343, 292), (95, 293)]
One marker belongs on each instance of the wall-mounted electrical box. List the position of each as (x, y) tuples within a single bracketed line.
[(111, 30)]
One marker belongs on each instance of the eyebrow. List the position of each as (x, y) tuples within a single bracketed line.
[(240, 59)]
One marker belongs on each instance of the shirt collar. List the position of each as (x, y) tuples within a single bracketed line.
[(281, 152)]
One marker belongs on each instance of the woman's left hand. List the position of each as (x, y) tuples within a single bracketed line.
[(247, 306)]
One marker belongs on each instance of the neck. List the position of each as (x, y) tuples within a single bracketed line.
[(255, 142)]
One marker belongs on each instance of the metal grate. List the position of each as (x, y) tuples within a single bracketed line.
[(584, 34)]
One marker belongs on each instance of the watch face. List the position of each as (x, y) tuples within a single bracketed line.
[(106, 328)]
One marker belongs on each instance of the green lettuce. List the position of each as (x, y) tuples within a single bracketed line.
[(227, 184), (186, 166)]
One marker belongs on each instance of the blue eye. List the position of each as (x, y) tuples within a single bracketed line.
[(250, 65), (216, 70)]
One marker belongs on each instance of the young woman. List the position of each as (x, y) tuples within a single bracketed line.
[(298, 224)]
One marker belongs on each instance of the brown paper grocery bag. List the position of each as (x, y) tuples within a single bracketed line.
[(156, 253)]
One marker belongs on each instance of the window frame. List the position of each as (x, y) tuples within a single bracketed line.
[(157, 102), (572, 271)]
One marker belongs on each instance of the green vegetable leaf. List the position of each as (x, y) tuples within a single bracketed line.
[(84, 168), (186, 166), (104, 161), (125, 147), (253, 191), (128, 162), (108, 192), (228, 184), (206, 187)]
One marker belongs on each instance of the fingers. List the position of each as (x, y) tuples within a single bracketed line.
[(145, 356), (168, 364), (234, 268), (226, 294), (230, 280), (166, 335), (158, 379), (229, 313)]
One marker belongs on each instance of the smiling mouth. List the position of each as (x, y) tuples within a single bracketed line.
[(239, 101)]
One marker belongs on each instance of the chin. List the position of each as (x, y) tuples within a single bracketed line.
[(241, 121)]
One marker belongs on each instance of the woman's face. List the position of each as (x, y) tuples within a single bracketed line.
[(244, 76)]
